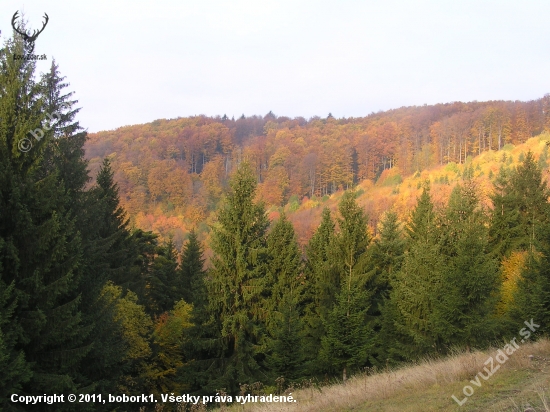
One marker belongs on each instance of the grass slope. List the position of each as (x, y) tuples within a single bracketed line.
[(521, 384)]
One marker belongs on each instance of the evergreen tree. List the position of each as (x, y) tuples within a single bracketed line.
[(162, 290), (531, 299), (391, 343), (285, 281), (422, 223), (519, 222), (285, 348), (64, 154), (470, 275), (532, 296), (110, 254), (236, 285), (284, 266), (417, 285), (41, 246), (202, 347), (145, 244), (322, 281), (350, 244), (346, 343), (112, 227), (386, 257), (320, 289), (191, 273), (520, 208), (18, 107), (114, 218), (65, 151)]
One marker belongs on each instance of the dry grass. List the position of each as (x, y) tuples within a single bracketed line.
[(417, 378)]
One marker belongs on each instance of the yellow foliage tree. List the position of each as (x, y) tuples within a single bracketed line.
[(511, 268), (168, 340), (211, 177), (136, 328)]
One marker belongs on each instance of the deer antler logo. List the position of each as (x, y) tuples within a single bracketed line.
[(29, 39)]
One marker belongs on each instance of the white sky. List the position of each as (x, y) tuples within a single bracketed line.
[(136, 61)]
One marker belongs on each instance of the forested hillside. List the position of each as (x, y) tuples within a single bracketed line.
[(456, 255), (173, 173)]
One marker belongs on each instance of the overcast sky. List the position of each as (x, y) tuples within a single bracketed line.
[(134, 61)]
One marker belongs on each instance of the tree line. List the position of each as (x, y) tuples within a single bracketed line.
[(89, 304)]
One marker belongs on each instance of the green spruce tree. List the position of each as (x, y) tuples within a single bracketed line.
[(532, 296), (519, 222), (19, 111), (530, 213), (284, 301), (320, 289), (110, 254), (236, 286), (41, 245), (162, 290), (284, 265), (386, 257), (191, 273), (465, 313), (417, 285), (202, 349), (346, 344), (520, 208), (65, 151)]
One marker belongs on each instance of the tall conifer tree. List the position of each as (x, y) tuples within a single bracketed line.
[(284, 266), (285, 300), (386, 257), (465, 313), (191, 273), (64, 154), (41, 247), (532, 296), (346, 343), (112, 227), (162, 290), (520, 208), (65, 151), (236, 285), (19, 111), (202, 348), (528, 194), (417, 286), (321, 287)]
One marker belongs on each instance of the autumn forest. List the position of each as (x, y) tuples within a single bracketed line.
[(172, 173)]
